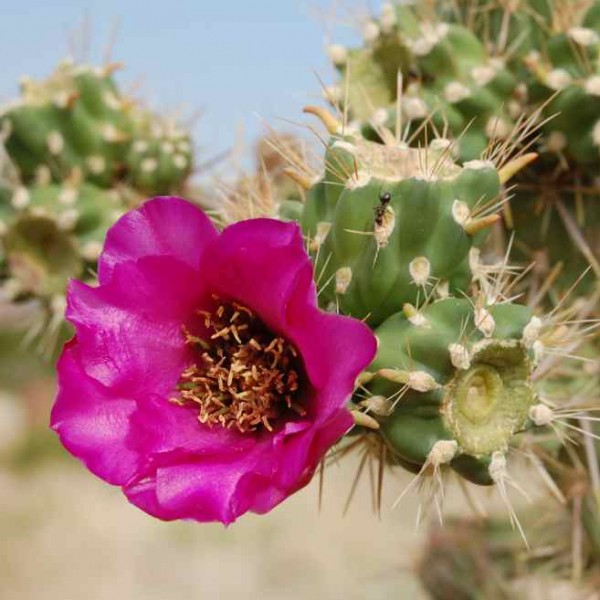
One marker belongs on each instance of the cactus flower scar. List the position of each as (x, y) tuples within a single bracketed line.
[(203, 379)]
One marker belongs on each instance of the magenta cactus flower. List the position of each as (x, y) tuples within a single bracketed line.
[(202, 378)]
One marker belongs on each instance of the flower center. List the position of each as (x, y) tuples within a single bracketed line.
[(245, 377)]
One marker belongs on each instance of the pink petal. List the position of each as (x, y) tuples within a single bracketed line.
[(130, 328), (169, 433), (163, 226), (203, 490), (257, 263), (93, 423)]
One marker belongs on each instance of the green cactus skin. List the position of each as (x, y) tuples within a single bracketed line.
[(77, 125), (161, 155), (373, 255), (465, 377)]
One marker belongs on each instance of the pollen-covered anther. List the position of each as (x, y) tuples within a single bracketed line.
[(420, 381), (420, 270), (364, 378), (484, 321), (343, 277), (541, 415), (246, 377), (442, 452), (460, 357)]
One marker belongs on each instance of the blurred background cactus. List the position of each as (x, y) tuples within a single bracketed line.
[(78, 153)]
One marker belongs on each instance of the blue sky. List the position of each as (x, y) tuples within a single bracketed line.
[(232, 59)]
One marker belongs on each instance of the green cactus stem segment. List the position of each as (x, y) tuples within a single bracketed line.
[(485, 405)]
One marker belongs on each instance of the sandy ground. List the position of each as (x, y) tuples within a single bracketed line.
[(65, 535)]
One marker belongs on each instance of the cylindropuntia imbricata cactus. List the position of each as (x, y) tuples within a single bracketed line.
[(77, 124)]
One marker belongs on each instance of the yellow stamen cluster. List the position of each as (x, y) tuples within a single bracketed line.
[(246, 377)]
